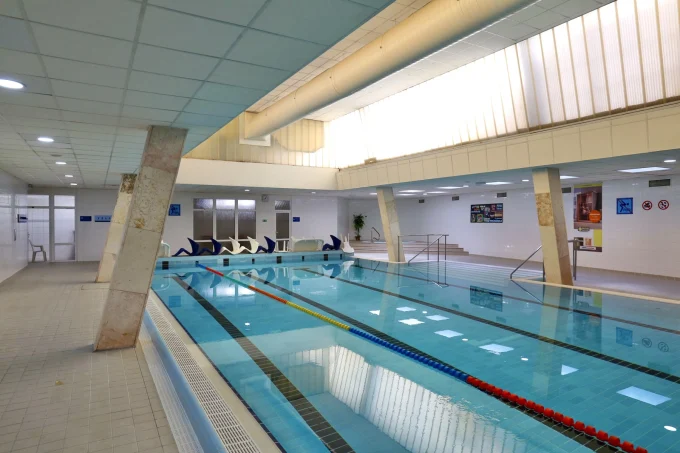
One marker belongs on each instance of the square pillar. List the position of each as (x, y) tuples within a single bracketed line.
[(117, 228), (136, 260), (552, 226), (390, 223)]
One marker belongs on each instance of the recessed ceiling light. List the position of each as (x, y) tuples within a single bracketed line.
[(411, 191), (247, 190), (671, 428), (497, 183), (643, 169), (435, 192), (405, 194), (568, 177), (669, 161), (525, 180), (313, 192), (74, 183), (465, 186), (45, 139), (11, 84), (60, 163), (373, 193), (68, 176), (449, 188)]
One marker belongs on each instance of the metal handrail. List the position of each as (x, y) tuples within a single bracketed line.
[(574, 259), (428, 246), (378, 232)]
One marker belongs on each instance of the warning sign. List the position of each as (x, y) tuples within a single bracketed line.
[(664, 204), (647, 205)]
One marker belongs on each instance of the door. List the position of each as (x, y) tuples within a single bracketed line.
[(282, 229), (39, 225)]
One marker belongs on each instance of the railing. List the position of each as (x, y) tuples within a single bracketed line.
[(426, 249), (574, 253), (373, 239)]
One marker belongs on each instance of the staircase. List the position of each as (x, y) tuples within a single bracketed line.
[(410, 248)]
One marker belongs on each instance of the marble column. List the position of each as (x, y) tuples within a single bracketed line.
[(136, 260), (552, 225), (390, 223), (116, 229)]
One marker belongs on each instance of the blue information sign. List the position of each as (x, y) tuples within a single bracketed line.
[(175, 210), (102, 218), (624, 205), (86, 218), (296, 219)]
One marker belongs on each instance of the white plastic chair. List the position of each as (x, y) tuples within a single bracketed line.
[(346, 247), (254, 245), (236, 247), (37, 249)]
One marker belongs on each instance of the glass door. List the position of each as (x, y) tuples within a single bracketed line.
[(39, 225), (64, 228)]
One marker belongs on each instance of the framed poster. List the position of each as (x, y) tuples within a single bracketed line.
[(588, 216), (486, 213)]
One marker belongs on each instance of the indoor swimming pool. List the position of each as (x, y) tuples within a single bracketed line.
[(605, 360)]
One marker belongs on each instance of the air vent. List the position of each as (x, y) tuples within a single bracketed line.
[(370, 160), (659, 183), (455, 198), (421, 200), (502, 195), (566, 189)]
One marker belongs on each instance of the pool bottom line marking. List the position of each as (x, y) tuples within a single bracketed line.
[(326, 433), (595, 439)]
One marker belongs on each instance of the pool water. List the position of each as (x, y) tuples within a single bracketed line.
[(606, 360)]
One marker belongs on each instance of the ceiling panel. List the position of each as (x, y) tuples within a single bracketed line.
[(62, 43), (323, 22), (114, 18), (235, 11), (275, 51), (179, 31), (98, 73)]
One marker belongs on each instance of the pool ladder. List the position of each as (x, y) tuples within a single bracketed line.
[(574, 253)]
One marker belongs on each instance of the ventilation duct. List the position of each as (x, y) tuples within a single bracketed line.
[(433, 27)]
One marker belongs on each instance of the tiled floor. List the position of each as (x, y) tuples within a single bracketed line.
[(646, 285), (56, 395)]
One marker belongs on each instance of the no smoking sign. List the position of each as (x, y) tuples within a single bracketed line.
[(647, 205)]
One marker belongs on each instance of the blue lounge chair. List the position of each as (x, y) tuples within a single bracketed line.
[(217, 247), (271, 245), (336, 244), (195, 250)]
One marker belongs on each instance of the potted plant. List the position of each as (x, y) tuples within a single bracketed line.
[(359, 222)]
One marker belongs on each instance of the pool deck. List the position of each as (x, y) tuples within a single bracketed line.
[(56, 395)]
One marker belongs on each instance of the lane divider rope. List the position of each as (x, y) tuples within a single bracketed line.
[(497, 392)]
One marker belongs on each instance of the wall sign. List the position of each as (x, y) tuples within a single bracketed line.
[(102, 218), (86, 218), (486, 213), (588, 214), (647, 205), (22, 218), (296, 219), (664, 204), (624, 206), (175, 210)]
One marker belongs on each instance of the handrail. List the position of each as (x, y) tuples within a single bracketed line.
[(428, 246), (574, 259), (378, 232)]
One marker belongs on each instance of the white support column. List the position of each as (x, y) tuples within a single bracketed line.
[(552, 225), (390, 223), (117, 228), (136, 260)]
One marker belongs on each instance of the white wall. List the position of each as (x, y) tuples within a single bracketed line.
[(13, 235), (91, 236), (645, 242)]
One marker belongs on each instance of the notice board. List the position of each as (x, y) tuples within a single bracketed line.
[(486, 213)]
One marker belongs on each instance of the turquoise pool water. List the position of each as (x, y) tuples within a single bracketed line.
[(608, 361)]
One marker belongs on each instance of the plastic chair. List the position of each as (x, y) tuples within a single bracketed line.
[(346, 247), (336, 244), (37, 249), (254, 246), (236, 248), (271, 245), (195, 250), (217, 247)]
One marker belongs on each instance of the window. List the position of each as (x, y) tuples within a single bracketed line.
[(223, 219)]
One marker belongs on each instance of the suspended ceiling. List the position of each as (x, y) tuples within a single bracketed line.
[(99, 72)]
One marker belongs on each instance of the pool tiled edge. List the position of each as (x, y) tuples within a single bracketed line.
[(258, 259)]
